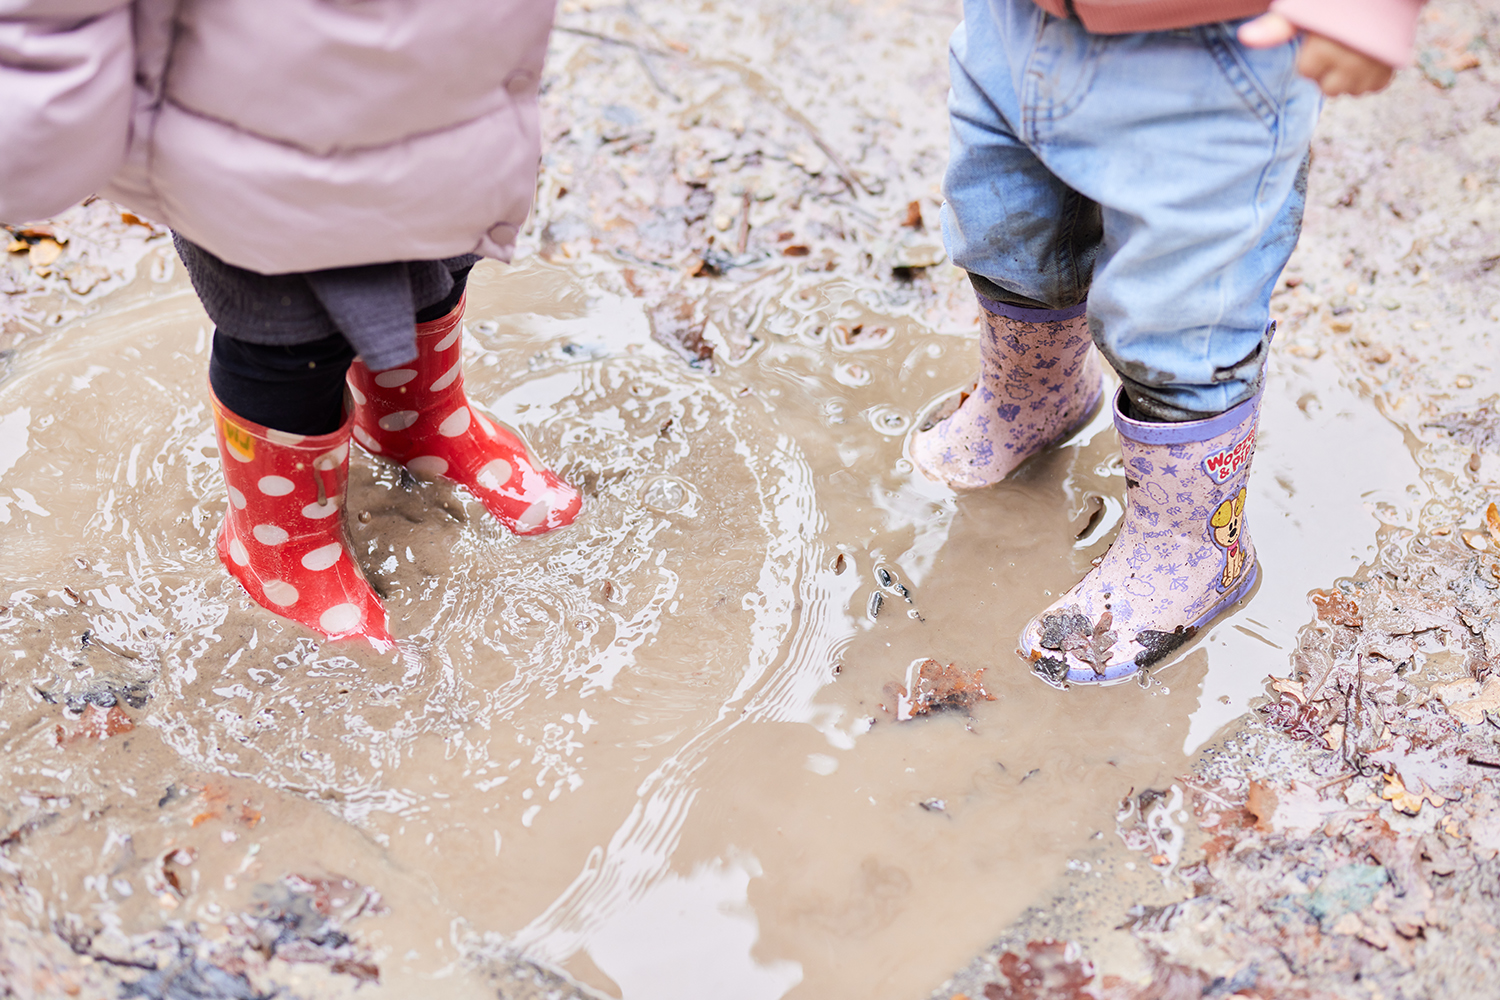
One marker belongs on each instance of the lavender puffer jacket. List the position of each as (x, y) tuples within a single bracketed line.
[(281, 135)]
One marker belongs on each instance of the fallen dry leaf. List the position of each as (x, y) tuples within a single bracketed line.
[(1286, 685), (1468, 701), (97, 724), (1492, 524), (936, 689), (216, 805), (44, 252), (1396, 794), (1337, 607), (1050, 970)]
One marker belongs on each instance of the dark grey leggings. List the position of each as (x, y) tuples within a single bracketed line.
[(297, 388)]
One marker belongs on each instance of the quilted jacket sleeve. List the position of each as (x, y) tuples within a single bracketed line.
[(66, 70), (1381, 29)]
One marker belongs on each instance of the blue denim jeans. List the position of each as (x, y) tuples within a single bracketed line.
[(1160, 176)]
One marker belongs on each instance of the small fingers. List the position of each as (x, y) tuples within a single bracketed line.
[(1267, 31)]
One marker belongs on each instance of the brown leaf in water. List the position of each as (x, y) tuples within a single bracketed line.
[(1492, 524), (677, 324), (1049, 970), (913, 218), (1337, 607), (216, 802), (796, 250), (97, 724), (939, 687)]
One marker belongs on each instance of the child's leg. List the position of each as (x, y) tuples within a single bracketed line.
[(1193, 147), (297, 388), (1028, 242), (419, 415)]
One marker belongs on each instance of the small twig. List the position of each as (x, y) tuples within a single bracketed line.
[(640, 57), (773, 94), (599, 36), (1204, 791), (744, 240), (1341, 778)]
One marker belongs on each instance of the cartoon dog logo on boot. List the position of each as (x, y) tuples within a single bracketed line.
[(1227, 523)]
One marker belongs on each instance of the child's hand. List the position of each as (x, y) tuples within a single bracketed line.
[(1336, 68)]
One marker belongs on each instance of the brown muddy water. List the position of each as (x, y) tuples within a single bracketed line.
[(649, 749)]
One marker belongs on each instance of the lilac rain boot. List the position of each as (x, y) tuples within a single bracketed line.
[(1039, 379), (1181, 559)]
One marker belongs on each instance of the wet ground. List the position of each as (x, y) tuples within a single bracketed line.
[(661, 752)]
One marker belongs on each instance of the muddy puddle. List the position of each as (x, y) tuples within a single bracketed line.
[(655, 749)]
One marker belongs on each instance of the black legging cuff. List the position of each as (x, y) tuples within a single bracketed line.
[(297, 388)]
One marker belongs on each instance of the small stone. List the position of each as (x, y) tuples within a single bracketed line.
[(1390, 303), (1340, 325), (1464, 382)]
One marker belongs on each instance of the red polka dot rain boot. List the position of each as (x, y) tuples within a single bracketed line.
[(418, 416), (1182, 558), (283, 535)]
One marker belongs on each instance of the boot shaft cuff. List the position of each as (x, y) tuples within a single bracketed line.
[(1022, 315), (443, 324), (239, 432), (1187, 431)]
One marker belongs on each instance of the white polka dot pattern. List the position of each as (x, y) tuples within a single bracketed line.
[(448, 377), (450, 340), (237, 553), (284, 437), (333, 458), (281, 593), (274, 486), (534, 515), (359, 398), (236, 498), (323, 557), (340, 618), (455, 423), (395, 377), (366, 442), (398, 421), (269, 534), (318, 511), (495, 474)]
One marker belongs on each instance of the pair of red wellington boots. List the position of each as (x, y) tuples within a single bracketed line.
[(283, 535)]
